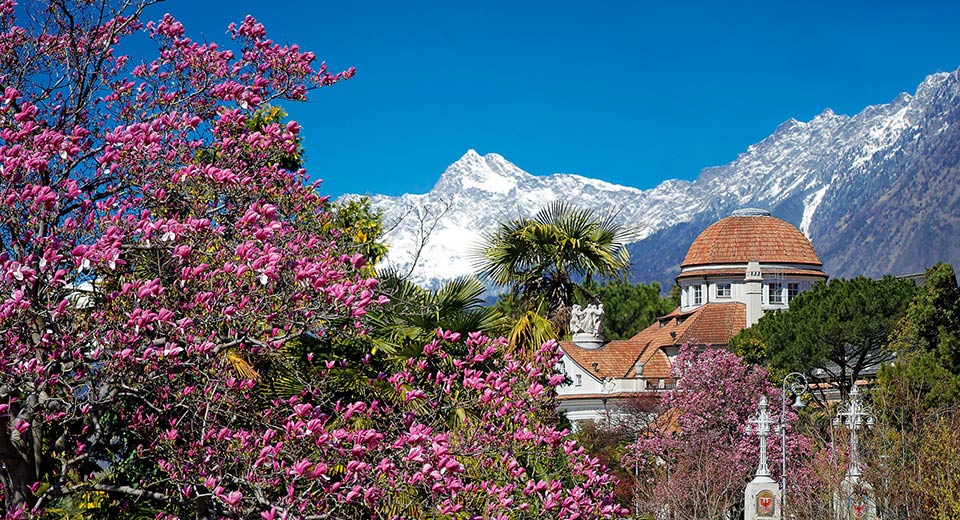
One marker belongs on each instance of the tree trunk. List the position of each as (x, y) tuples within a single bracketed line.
[(16, 472)]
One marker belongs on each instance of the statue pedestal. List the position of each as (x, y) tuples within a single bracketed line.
[(855, 500), (761, 499), (587, 340)]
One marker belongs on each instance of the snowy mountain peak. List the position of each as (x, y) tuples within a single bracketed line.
[(828, 115), (789, 125), (876, 192), (932, 86), (934, 80), (902, 99), (491, 173)]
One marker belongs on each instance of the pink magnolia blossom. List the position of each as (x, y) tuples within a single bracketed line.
[(158, 262), (699, 455)]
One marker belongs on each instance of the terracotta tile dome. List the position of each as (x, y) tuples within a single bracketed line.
[(751, 235)]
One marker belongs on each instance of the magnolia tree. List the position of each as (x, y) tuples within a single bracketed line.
[(697, 458), (158, 257)]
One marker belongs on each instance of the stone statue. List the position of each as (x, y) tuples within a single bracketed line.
[(577, 319), (586, 325), (587, 320), (593, 321)]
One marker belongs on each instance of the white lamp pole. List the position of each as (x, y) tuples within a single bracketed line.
[(798, 386), (854, 414), (760, 425)]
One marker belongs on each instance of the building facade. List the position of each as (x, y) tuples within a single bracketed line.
[(734, 271)]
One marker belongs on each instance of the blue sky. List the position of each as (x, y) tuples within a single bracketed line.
[(629, 92)]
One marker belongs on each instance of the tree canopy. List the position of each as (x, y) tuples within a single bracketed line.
[(544, 258), (840, 328), (162, 257), (932, 320), (917, 404)]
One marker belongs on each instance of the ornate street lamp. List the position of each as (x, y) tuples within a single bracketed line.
[(855, 497), (798, 386), (760, 426), (759, 497), (854, 414)]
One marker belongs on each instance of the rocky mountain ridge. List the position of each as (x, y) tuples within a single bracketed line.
[(877, 193)]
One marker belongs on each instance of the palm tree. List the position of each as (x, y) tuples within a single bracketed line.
[(395, 333), (413, 316), (545, 258)]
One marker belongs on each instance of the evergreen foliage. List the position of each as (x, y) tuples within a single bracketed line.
[(932, 321), (628, 307), (915, 445), (543, 258), (841, 328)]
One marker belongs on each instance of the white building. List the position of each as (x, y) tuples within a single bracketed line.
[(734, 271)]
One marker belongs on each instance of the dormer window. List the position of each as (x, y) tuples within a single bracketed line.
[(723, 290), (638, 368), (776, 293), (697, 292), (793, 289)]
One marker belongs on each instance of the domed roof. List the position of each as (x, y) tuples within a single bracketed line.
[(751, 235)]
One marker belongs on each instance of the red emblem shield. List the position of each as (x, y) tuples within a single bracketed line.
[(765, 504), (858, 506)]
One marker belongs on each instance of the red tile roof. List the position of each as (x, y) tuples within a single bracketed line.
[(711, 324), (738, 240), (614, 359)]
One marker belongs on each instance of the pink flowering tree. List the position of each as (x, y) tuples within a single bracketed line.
[(158, 255), (697, 458), (468, 436)]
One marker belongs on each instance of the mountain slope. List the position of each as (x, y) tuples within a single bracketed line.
[(433, 234), (877, 193), (901, 208)]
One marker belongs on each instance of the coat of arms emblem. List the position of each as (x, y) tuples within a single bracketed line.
[(858, 505), (765, 504)]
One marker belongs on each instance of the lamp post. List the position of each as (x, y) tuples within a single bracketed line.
[(859, 497), (758, 497), (853, 414), (798, 386)]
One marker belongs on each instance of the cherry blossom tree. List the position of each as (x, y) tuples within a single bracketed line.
[(696, 458), (158, 257)]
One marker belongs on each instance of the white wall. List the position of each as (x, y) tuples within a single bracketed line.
[(738, 289), (596, 408)]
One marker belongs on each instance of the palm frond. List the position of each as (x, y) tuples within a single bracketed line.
[(242, 366), (544, 257), (531, 330)]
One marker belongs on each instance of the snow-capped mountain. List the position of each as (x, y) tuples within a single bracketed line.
[(435, 233), (877, 193)]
